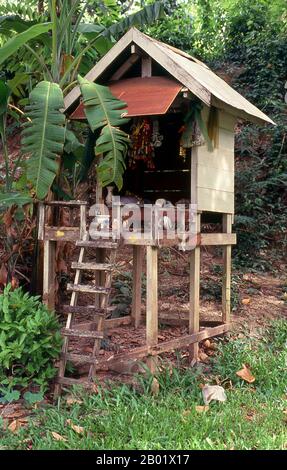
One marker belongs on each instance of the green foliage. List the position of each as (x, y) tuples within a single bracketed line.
[(43, 136), (30, 340), (14, 43), (263, 353), (104, 111)]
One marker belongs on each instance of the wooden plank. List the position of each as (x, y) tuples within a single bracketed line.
[(82, 309), (215, 178), (79, 333), (226, 283), (66, 203), (89, 266), (69, 382), (226, 120), (164, 347), (125, 67), (110, 323), (87, 288), (101, 243), (146, 66), (214, 239), (213, 200), (194, 287), (49, 274), (137, 285), (41, 221), (67, 234), (220, 159), (152, 302), (83, 222), (225, 139)]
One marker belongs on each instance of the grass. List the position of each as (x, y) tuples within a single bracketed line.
[(119, 417)]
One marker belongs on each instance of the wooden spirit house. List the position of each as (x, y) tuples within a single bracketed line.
[(167, 92)]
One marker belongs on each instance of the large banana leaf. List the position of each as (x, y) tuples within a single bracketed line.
[(147, 15), (44, 136), (13, 44), (104, 110), (9, 199)]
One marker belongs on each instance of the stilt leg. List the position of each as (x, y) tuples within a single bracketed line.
[(226, 284), (194, 294), (152, 303), (137, 284)]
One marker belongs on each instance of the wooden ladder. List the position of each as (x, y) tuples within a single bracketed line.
[(105, 248)]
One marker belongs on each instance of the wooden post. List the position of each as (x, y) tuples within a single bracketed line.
[(194, 293), (226, 284), (152, 303), (146, 70), (83, 222), (49, 273), (137, 284), (41, 221)]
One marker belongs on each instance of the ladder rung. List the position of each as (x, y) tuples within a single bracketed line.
[(92, 266), (88, 288), (70, 381), (80, 358), (82, 333), (85, 309), (97, 244)]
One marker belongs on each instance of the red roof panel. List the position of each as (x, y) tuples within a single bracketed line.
[(144, 96)]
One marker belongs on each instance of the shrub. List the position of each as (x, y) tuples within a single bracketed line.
[(30, 340)]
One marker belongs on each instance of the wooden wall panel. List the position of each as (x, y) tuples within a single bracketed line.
[(213, 172)]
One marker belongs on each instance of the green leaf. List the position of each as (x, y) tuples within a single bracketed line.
[(14, 43), (104, 110), (8, 397), (4, 96), (44, 136), (33, 398), (147, 15), (17, 82), (13, 198)]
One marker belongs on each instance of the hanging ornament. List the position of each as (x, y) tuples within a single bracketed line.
[(142, 147), (157, 138), (194, 132)]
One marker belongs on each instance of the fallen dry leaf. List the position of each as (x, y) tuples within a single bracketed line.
[(245, 301), (213, 392), (14, 426), (58, 437), (201, 409), (186, 412), (203, 357), (154, 387), (73, 401), (245, 374), (207, 343), (77, 429)]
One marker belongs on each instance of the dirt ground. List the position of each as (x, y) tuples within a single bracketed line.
[(256, 299)]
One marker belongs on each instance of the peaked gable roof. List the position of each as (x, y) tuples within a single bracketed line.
[(193, 74)]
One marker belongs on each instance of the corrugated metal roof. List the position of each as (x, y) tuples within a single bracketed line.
[(144, 96), (187, 70)]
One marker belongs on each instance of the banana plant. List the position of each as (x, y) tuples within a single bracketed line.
[(104, 111), (61, 46)]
